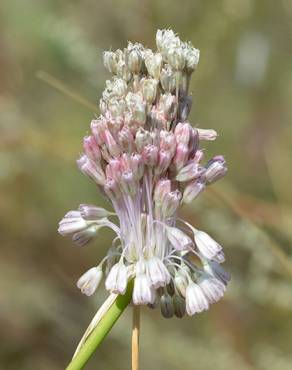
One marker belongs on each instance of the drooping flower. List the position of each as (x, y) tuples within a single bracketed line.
[(144, 155)]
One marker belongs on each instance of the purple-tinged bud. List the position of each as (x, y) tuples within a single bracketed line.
[(192, 190), (111, 189), (117, 279), (170, 204), (150, 155), (126, 140), (194, 142), (89, 282), (113, 169), (181, 156), (164, 160), (153, 64), (98, 127), (168, 104), (110, 61), (184, 107), (198, 156), (163, 187), (91, 148), (91, 169), (111, 144), (91, 212), (182, 133), (179, 240), (168, 79), (149, 89), (191, 171), (195, 299), (137, 166), (179, 305), (167, 141), (127, 183), (208, 135), (215, 169), (166, 306), (212, 288)]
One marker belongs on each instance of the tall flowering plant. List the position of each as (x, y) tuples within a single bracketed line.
[(145, 158)]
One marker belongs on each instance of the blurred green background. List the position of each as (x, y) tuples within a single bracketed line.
[(243, 89)]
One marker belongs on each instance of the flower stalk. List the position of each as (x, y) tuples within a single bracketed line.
[(135, 337), (101, 330)]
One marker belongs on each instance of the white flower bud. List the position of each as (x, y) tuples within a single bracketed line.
[(158, 274), (209, 135), (192, 57), (176, 58), (178, 239), (143, 293), (168, 79), (110, 61), (88, 282), (116, 281), (212, 288), (206, 245), (195, 299), (153, 64), (134, 60), (149, 89)]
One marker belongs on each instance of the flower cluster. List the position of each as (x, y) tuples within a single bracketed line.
[(144, 156)]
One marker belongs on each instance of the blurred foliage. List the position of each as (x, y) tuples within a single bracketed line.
[(243, 89)]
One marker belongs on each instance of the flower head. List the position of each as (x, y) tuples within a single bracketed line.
[(144, 155)]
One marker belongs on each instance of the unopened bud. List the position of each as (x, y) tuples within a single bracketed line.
[(134, 60), (110, 61), (189, 172), (215, 169), (150, 155), (209, 135), (168, 104), (168, 79), (149, 90), (91, 148), (179, 306), (192, 190), (192, 57), (176, 58), (91, 169), (153, 64), (166, 305)]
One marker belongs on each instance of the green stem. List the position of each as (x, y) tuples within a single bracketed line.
[(102, 329)]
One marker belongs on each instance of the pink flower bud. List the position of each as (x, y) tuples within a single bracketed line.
[(181, 156), (91, 169), (150, 155), (111, 189), (91, 212), (91, 148), (126, 139), (182, 133), (192, 190), (163, 187), (127, 183), (164, 160), (111, 144), (189, 172)]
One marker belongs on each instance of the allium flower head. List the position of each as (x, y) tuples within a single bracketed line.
[(145, 157)]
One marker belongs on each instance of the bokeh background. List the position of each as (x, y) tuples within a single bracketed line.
[(242, 88)]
